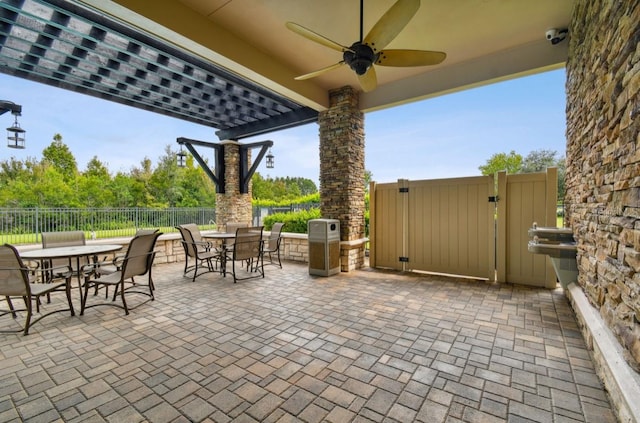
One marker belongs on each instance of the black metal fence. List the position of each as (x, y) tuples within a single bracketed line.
[(24, 226)]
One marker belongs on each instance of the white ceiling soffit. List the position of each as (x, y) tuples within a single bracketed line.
[(485, 41)]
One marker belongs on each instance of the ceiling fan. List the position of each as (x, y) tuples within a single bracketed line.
[(363, 54)]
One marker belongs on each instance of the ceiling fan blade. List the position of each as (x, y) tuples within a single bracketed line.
[(368, 81), (391, 23), (407, 58), (314, 36), (319, 71)]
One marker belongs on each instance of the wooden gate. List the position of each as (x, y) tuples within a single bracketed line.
[(442, 225), (525, 198), (453, 226)]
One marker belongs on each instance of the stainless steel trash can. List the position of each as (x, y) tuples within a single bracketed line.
[(324, 246)]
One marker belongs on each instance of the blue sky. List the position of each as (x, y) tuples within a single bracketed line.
[(442, 137)]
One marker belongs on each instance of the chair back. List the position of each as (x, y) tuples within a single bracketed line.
[(63, 239), (231, 227), (193, 230), (146, 231), (13, 274), (248, 243), (188, 241), (274, 236), (140, 254)]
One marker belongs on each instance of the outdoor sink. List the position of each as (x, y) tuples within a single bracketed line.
[(553, 248), (551, 233), (560, 246)]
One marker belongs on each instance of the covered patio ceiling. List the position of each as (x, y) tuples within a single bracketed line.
[(230, 64)]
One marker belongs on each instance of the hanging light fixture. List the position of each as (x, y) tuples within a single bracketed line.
[(15, 135), (181, 158), (270, 160)]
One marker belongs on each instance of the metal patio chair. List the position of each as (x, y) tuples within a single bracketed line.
[(15, 282), (202, 253), (245, 254), (138, 261), (271, 246)]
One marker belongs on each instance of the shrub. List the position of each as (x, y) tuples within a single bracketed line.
[(295, 222)]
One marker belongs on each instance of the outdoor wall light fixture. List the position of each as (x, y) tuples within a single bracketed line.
[(181, 158), (270, 160), (15, 134)]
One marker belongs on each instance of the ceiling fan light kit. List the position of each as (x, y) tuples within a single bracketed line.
[(363, 54)]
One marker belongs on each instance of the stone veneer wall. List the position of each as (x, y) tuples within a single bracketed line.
[(232, 206), (294, 247), (342, 185), (603, 161)]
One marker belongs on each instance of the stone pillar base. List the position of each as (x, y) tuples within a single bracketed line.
[(352, 254)]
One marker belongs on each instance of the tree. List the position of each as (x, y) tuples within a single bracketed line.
[(164, 184), (55, 182), (279, 189), (539, 161), (98, 169), (535, 161), (140, 185), (95, 185), (368, 177), (49, 189), (196, 189), (122, 189), (511, 162), (61, 158)]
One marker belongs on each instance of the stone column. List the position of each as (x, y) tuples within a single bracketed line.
[(342, 168), (603, 161), (232, 206)]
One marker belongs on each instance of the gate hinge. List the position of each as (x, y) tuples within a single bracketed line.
[(494, 198), (404, 189), (403, 259)]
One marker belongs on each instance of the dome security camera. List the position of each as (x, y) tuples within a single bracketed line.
[(556, 35)]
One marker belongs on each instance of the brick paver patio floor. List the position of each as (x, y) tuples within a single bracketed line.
[(358, 347)]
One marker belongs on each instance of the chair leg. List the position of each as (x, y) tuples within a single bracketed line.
[(186, 263), (27, 322), (151, 286), (195, 271), (124, 302), (83, 301), (68, 292), (10, 304), (233, 269)]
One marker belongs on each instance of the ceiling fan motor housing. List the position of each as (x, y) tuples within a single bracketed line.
[(360, 57)]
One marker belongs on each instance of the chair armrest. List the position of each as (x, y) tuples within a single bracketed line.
[(46, 273), (90, 267), (118, 261), (206, 244)]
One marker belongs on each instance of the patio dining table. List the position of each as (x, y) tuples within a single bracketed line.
[(219, 235), (71, 252), (223, 237)]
